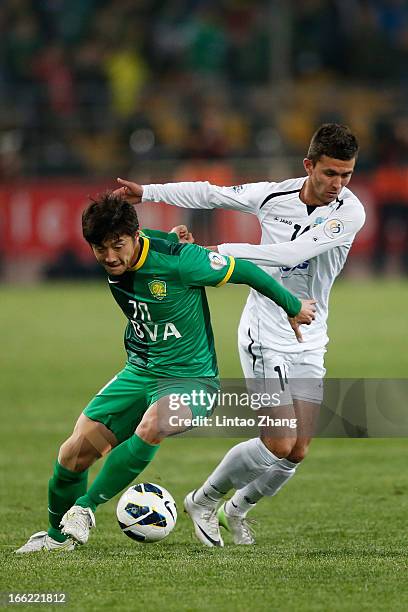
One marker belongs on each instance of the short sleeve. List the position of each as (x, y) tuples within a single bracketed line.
[(200, 267)]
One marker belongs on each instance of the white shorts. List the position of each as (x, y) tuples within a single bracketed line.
[(294, 375)]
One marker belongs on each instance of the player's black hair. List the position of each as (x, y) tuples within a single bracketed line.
[(333, 140), (108, 217)]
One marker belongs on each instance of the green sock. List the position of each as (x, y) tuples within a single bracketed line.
[(122, 465), (64, 488)]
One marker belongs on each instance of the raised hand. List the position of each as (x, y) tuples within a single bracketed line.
[(183, 234), (129, 191)]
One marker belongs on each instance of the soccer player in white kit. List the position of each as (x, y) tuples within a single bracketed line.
[(308, 226)]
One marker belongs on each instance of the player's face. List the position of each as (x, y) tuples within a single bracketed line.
[(327, 177), (117, 255)]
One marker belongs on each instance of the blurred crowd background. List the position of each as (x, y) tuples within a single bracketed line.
[(226, 90)]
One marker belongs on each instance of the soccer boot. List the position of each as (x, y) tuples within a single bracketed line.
[(238, 526), (42, 541), (204, 520), (77, 522)]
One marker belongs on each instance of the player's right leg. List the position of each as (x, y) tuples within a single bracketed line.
[(89, 441), (109, 418), (119, 406), (252, 459), (307, 371), (129, 458)]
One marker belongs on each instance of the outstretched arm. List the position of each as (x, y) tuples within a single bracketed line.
[(198, 194), (337, 230), (299, 311), (199, 267)]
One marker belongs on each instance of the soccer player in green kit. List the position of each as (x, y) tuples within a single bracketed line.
[(159, 285)]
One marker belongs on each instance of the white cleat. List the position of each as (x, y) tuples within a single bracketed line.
[(77, 522), (205, 521), (238, 526), (42, 541)]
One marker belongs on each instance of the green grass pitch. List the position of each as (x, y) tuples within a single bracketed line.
[(334, 539)]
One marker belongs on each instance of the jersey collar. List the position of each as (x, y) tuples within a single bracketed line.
[(142, 255)]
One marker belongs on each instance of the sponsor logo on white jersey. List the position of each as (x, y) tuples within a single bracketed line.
[(319, 221), (281, 220)]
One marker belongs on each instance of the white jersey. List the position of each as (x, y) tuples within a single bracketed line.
[(303, 247)]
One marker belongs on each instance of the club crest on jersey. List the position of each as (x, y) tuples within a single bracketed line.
[(217, 261), (158, 289), (333, 228)]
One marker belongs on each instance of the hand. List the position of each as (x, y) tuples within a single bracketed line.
[(183, 234), (212, 248), (131, 192), (305, 316)]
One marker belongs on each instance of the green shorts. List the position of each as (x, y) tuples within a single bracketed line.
[(122, 402)]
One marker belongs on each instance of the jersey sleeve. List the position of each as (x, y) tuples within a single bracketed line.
[(245, 198), (338, 230), (151, 233), (245, 272), (199, 267)]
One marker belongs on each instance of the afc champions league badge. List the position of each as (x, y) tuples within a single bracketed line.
[(333, 228), (217, 261)]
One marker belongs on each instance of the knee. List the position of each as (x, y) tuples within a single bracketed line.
[(298, 453), (149, 431), (73, 457), (280, 447)]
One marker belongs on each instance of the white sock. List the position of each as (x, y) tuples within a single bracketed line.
[(242, 464), (266, 485), (242, 509)]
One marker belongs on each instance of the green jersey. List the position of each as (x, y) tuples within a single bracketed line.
[(169, 330)]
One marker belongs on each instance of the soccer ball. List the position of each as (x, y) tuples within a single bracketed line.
[(146, 512)]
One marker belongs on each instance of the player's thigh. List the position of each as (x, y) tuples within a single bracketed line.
[(121, 403), (89, 441), (307, 374), (307, 415), (307, 391), (266, 371), (269, 385), (257, 361), (271, 376), (177, 406)]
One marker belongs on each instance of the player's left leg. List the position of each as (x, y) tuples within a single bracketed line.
[(129, 458), (250, 459), (125, 462), (232, 514), (171, 417), (269, 483), (307, 391)]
